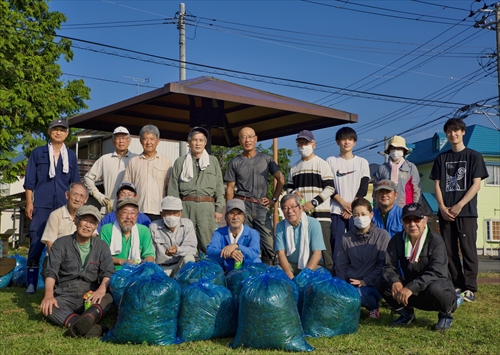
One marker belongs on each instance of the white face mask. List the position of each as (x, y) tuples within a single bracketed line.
[(396, 154), (305, 151), (171, 221), (362, 221)]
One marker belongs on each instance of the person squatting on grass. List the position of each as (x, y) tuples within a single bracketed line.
[(77, 264), (415, 274)]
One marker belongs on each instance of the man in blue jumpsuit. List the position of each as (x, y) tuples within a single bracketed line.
[(51, 169)]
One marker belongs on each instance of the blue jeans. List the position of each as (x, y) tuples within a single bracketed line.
[(370, 298), (258, 218)]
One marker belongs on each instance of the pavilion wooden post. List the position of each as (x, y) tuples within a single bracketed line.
[(275, 156)]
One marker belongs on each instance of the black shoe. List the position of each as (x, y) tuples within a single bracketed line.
[(406, 316), (444, 322), (83, 325), (96, 331)]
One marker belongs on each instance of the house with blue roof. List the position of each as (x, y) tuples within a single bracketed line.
[(487, 142)]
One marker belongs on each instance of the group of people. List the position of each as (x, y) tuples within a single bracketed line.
[(167, 214)]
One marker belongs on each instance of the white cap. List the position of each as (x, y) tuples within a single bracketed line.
[(122, 130), (171, 203)]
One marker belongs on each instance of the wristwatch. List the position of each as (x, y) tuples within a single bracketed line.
[(314, 203), (274, 199)]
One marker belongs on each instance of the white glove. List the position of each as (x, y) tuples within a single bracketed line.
[(101, 198)]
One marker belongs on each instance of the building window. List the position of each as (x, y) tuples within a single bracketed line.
[(493, 230), (94, 150), (494, 175)]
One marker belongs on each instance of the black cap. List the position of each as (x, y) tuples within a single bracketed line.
[(413, 210), (126, 186), (59, 123), (199, 130)]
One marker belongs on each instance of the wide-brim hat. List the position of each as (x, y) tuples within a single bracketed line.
[(397, 142)]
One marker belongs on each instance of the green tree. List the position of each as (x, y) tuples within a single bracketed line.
[(31, 90), (225, 154)]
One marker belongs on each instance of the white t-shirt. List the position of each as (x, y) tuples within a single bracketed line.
[(347, 175)]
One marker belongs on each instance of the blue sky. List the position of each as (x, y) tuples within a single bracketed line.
[(410, 50)]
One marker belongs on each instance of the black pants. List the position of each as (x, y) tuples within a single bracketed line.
[(327, 253), (462, 232), (438, 296), (73, 304)]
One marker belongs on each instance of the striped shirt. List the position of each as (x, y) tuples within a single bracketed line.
[(314, 180), (150, 177)]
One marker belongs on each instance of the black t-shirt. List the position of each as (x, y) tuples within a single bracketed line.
[(456, 172)]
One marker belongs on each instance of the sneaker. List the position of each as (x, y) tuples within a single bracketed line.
[(458, 290), (407, 315), (444, 322), (374, 314), (469, 296)]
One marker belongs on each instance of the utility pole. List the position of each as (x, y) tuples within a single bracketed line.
[(181, 25), (497, 28)]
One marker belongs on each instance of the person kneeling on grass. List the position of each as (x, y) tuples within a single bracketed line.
[(77, 264), (415, 273), (361, 255)]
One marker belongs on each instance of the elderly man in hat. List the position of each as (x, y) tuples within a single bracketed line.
[(129, 242), (110, 168), (236, 242), (402, 172), (197, 180), (415, 274), (174, 238), (77, 264), (149, 172), (299, 238), (126, 189), (51, 169), (387, 215), (311, 179)]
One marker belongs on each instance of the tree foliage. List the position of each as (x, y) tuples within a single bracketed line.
[(32, 93), (225, 154)]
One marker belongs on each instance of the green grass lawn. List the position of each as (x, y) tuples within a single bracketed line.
[(475, 330)]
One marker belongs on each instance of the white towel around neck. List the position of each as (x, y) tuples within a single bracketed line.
[(116, 242), (304, 241), (53, 163), (187, 167)]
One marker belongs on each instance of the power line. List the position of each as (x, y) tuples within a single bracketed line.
[(225, 72)]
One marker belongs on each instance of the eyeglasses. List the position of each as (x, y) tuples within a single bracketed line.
[(127, 213), (412, 219), (244, 138), (286, 209), (235, 213)]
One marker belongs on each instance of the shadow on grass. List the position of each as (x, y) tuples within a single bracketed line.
[(29, 303)]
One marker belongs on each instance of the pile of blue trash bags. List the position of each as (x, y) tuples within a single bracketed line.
[(258, 306), (17, 277)]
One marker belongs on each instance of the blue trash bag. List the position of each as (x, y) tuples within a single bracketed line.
[(6, 279), (128, 274), (267, 316), (305, 277), (19, 277), (207, 311), (234, 278), (148, 312), (205, 269), (331, 307)]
